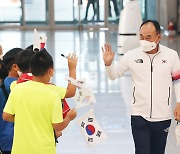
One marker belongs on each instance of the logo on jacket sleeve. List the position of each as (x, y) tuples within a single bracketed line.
[(138, 61)]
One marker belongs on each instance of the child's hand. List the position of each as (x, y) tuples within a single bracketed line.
[(72, 114), (72, 61), (58, 133)]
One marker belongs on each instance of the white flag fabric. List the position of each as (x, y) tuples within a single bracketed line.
[(39, 41), (177, 134), (84, 95), (91, 130), (79, 83)]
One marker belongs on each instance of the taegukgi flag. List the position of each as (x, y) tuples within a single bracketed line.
[(84, 95), (92, 132), (38, 41)]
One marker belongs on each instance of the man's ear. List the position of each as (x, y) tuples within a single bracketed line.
[(159, 37)]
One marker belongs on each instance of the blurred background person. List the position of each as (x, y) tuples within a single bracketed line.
[(87, 8), (116, 10)]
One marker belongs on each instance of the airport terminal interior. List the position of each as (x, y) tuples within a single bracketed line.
[(71, 28)]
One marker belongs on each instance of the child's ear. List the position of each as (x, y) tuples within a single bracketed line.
[(51, 72), (15, 67)]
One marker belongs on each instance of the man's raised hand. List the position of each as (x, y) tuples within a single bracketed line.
[(108, 54)]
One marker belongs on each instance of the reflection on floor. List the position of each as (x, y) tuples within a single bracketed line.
[(112, 97)]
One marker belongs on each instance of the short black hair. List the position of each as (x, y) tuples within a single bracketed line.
[(22, 60), (31, 48), (3, 71), (9, 58), (40, 62), (155, 23)]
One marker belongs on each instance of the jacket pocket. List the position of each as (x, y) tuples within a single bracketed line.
[(169, 95), (134, 96)]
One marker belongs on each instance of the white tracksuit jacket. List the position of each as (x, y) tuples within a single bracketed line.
[(152, 80)]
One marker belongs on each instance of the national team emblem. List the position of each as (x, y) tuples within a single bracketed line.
[(138, 61)]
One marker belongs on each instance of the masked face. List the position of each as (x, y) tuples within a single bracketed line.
[(147, 45), (149, 37)]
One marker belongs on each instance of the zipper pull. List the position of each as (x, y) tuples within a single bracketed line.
[(151, 68)]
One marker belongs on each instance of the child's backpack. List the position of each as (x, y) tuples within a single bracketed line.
[(6, 94)]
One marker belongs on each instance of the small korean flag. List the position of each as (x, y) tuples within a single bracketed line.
[(39, 41), (84, 95), (92, 132)]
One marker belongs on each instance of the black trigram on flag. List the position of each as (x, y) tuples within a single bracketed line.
[(90, 119), (98, 133), (90, 139), (82, 124)]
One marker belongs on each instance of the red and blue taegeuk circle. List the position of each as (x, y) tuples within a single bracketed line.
[(90, 129)]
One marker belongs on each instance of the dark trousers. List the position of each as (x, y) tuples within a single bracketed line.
[(149, 137), (115, 8), (87, 8)]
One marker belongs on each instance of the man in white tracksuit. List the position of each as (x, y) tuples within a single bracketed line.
[(154, 69)]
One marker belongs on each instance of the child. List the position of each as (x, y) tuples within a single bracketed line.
[(6, 128), (25, 75), (23, 63), (36, 108)]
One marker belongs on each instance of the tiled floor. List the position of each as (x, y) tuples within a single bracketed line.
[(112, 97)]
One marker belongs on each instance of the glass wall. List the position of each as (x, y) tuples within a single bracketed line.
[(143, 9), (66, 11), (10, 11), (114, 9), (35, 11), (92, 11), (151, 9), (79, 11), (61, 13)]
